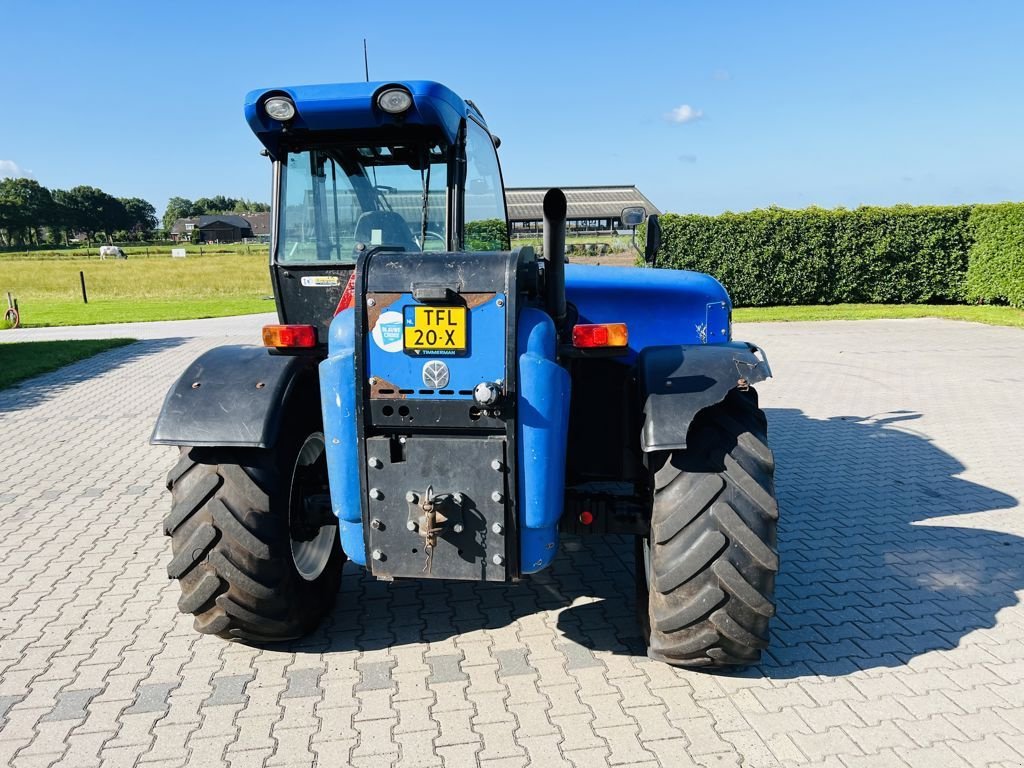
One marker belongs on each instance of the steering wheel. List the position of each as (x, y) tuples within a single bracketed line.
[(437, 236)]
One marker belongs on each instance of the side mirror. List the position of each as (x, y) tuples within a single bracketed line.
[(653, 239), (633, 216)]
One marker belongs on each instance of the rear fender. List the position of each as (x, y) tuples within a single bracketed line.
[(339, 395), (542, 430), (234, 396), (677, 382)]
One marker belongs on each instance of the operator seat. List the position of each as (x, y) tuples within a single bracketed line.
[(393, 228)]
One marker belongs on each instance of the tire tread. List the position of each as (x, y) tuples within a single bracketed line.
[(713, 553), (193, 551), (231, 550), (193, 501)]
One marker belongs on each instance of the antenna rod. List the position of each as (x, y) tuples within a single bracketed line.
[(366, 61)]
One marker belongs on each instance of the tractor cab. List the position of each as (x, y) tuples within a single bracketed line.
[(405, 168)]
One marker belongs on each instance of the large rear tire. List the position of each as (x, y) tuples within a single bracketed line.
[(256, 555), (706, 574)]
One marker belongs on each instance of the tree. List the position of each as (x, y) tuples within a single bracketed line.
[(178, 208), (25, 206), (222, 204), (215, 204), (9, 214), (251, 206), (140, 215), (96, 211), (113, 216), (67, 217)]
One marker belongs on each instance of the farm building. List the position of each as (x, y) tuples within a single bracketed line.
[(222, 227), (592, 210), (260, 224)]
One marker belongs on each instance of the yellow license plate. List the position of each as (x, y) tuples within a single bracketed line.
[(435, 330)]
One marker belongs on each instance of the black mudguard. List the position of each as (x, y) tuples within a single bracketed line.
[(679, 381), (234, 396)]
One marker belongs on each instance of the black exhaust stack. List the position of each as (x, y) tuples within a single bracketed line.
[(555, 208)]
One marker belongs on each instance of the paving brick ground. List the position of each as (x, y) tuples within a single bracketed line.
[(899, 638)]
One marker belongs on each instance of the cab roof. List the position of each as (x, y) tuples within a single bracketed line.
[(344, 107)]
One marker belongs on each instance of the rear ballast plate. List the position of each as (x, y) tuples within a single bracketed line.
[(436, 507)]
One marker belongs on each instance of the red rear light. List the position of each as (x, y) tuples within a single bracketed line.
[(303, 336), (348, 296), (600, 335)]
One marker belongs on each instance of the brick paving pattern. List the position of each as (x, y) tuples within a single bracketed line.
[(899, 639)]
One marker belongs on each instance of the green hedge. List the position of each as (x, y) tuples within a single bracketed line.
[(996, 271), (770, 257), (487, 235)]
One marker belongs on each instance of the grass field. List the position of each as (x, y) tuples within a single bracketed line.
[(30, 358), (49, 290), (975, 314), (50, 313), (137, 289), (162, 250)]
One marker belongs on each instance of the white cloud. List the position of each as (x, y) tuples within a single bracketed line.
[(684, 113), (9, 168)]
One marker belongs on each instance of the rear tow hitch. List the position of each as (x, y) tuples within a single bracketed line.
[(430, 514)]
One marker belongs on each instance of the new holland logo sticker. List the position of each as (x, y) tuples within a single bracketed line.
[(387, 333), (435, 375)]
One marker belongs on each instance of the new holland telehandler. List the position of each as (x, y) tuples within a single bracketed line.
[(433, 405)]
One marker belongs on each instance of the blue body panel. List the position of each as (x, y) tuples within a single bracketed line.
[(542, 431), (483, 361), (659, 306), (338, 401), (351, 107)]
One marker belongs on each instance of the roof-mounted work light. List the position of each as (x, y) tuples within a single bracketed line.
[(394, 101), (280, 108)]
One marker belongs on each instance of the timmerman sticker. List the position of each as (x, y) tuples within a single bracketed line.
[(320, 281), (387, 333)]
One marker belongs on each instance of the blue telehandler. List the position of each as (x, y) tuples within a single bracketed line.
[(431, 404)]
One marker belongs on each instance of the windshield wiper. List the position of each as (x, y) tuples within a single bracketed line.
[(425, 175), (337, 220)]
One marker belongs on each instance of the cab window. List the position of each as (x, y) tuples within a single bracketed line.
[(335, 199), (486, 224)]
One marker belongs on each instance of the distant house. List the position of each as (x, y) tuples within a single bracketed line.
[(592, 210), (260, 223), (222, 227)]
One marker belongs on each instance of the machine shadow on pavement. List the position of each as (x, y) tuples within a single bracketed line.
[(865, 581), (47, 386)]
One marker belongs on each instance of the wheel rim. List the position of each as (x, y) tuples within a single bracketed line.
[(313, 530)]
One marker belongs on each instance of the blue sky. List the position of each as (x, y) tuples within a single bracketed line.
[(706, 106)]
